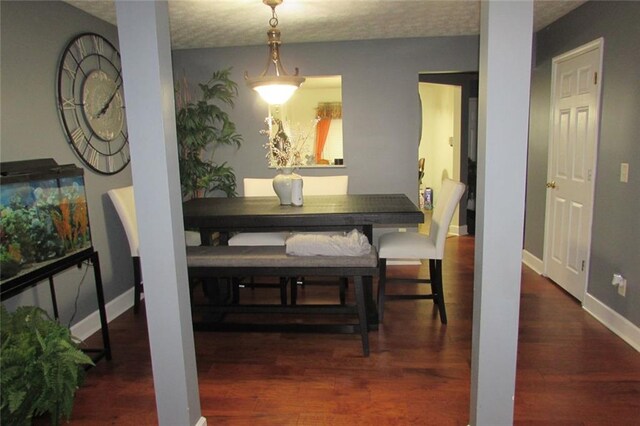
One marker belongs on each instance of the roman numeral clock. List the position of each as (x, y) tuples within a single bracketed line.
[(91, 103)]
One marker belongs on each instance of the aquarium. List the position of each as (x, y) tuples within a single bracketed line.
[(43, 215)]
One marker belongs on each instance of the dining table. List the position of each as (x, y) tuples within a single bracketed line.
[(222, 216)]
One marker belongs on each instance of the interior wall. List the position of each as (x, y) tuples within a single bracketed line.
[(616, 223), (380, 103), (33, 36)]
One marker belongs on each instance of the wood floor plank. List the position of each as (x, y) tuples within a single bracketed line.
[(571, 369)]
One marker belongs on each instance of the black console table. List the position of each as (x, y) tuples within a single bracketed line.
[(14, 286)]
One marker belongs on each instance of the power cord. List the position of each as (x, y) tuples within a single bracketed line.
[(75, 302)]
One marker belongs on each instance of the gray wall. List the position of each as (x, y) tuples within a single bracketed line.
[(381, 106), (616, 221), (33, 36)]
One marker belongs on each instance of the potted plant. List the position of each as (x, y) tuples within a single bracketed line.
[(202, 126), (41, 365)]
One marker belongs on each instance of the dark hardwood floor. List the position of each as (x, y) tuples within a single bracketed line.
[(571, 369)]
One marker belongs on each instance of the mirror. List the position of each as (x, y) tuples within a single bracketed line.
[(317, 97)]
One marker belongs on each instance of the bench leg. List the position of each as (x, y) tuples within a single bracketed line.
[(362, 315)]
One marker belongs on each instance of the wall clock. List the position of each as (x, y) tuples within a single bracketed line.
[(91, 103)]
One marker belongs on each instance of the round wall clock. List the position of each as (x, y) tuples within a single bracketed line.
[(91, 103)]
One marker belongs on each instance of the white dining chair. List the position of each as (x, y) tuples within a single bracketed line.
[(124, 202), (412, 245), (322, 185), (259, 187)]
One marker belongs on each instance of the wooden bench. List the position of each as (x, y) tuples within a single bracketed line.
[(230, 261)]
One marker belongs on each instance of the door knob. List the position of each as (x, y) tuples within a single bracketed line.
[(551, 184)]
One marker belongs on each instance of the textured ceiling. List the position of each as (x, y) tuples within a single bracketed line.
[(216, 23)]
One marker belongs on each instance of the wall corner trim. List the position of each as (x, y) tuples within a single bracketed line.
[(615, 322), (533, 262)]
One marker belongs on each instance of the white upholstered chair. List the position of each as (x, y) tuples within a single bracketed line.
[(412, 245), (124, 202), (259, 187), (323, 185)]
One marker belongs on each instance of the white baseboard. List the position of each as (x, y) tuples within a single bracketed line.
[(458, 230), (89, 325), (615, 322), (533, 262), (202, 422)]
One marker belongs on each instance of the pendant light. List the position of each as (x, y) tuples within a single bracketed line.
[(277, 88)]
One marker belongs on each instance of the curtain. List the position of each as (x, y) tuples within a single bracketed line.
[(325, 112), (322, 130)]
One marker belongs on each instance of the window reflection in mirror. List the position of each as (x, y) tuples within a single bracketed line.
[(317, 97)]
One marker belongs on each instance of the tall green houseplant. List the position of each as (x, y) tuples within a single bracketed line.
[(203, 126)]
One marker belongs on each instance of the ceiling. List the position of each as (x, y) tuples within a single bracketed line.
[(217, 23)]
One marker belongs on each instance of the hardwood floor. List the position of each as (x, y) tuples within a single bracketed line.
[(571, 369)]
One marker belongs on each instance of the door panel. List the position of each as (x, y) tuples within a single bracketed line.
[(572, 154)]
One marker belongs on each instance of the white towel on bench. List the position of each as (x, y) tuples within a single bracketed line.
[(352, 244)]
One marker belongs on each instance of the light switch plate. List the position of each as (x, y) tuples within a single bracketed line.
[(624, 172)]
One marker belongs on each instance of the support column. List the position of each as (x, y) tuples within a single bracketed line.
[(145, 46), (505, 69)]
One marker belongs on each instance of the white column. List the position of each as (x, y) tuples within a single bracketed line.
[(505, 69), (143, 29)]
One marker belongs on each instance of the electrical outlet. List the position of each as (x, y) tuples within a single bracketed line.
[(622, 288), (402, 229)]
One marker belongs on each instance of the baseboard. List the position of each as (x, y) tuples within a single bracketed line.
[(89, 325), (202, 422), (458, 230), (615, 322), (532, 262)]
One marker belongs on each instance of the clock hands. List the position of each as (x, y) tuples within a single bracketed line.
[(108, 103)]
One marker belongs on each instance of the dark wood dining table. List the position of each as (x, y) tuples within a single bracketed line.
[(320, 212)]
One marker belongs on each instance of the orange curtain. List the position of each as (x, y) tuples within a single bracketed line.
[(322, 130)]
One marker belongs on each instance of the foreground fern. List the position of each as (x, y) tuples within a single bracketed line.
[(41, 367)]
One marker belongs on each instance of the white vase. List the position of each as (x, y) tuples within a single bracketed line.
[(282, 185)]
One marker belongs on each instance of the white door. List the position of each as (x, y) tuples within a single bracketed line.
[(576, 78)]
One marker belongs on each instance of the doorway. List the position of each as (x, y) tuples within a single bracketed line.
[(448, 138)]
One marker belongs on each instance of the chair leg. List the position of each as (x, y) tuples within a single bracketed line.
[(235, 290), (137, 284), (294, 290), (283, 291), (381, 288), (344, 282), (437, 289)]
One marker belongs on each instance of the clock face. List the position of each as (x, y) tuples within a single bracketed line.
[(91, 103)]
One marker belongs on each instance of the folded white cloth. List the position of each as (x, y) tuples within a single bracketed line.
[(353, 243)]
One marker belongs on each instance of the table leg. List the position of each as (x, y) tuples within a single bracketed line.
[(101, 307)]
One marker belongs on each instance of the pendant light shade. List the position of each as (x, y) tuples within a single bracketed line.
[(276, 88)]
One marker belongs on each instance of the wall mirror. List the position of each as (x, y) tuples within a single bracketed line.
[(317, 97)]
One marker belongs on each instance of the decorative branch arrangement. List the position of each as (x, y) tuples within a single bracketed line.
[(285, 145)]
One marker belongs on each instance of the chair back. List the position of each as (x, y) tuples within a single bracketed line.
[(325, 185), (123, 201), (450, 195), (258, 187)]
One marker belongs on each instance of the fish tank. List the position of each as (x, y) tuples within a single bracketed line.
[(43, 216)]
